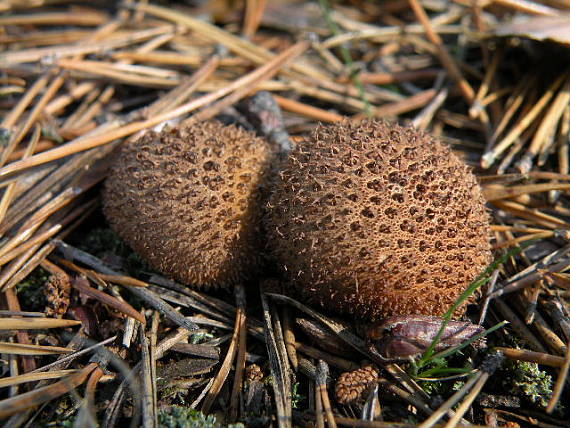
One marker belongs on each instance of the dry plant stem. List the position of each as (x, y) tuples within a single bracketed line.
[(512, 105), (322, 375), (271, 69), (532, 357), (419, 395), (253, 13), (87, 18), (516, 241), (396, 77), (547, 126), (319, 414), (222, 375), (141, 292), (289, 337), (182, 93), (10, 190), (529, 7), (307, 110), (55, 205), (560, 381), (533, 214), (519, 326), (413, 399), (12, 58), (445, 407), (476, 108), (82, 285), (31, 259), (41, 146), (359, 423), (333, 360), (90, 388), (462, 409), (42, 237), (36, 220), (25, 378), (279, 368), (110, 71), (21, 349), (489, 157), (243, 85), (34, 115), (425, 117), (49, 182), (488, 290), (549, 337), (12, 118), (411, 103), (28, 362), (35, 323), (497, 192), (241, 351), (39, 396), (444, 57), (148, 405), (242, 47)]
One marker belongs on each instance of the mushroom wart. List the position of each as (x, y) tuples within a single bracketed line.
[(188, 201), (374, 220)]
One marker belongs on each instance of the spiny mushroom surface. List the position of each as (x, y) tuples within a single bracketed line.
[(374, 219), (188, 201)]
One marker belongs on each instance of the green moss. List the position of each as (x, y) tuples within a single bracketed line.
[(185, 417), (104, 241), (31, 291), (529, 381)]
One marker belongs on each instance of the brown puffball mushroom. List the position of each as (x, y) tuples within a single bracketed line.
[(188, 201), (372, 219)]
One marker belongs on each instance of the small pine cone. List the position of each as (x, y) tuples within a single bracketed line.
[(351, 385), (57, 291), (253, 372)]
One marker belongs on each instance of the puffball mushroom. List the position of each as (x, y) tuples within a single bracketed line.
[(188, 201), (373, 220)]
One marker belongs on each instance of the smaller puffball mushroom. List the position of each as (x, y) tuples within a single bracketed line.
[(188, 201), (375, 220)]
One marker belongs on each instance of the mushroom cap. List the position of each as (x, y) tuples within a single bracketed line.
[(373, 219), (188, 201)]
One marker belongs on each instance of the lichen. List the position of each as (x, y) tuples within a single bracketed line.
[(185, 417)]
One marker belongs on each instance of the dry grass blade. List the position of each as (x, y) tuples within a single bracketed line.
[(14, 58), (446, 407), (489, 157), (444, 56), (241, 46), (533, 357), (79, 81), (148, 296), (148, 403), (496, 192), (35, 323), (237, 387), (23, 349), (279, 369), (34, 377), (322, 375), (560, 381), (222, 375), (86, 143), (39, 396), (74, 345)]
